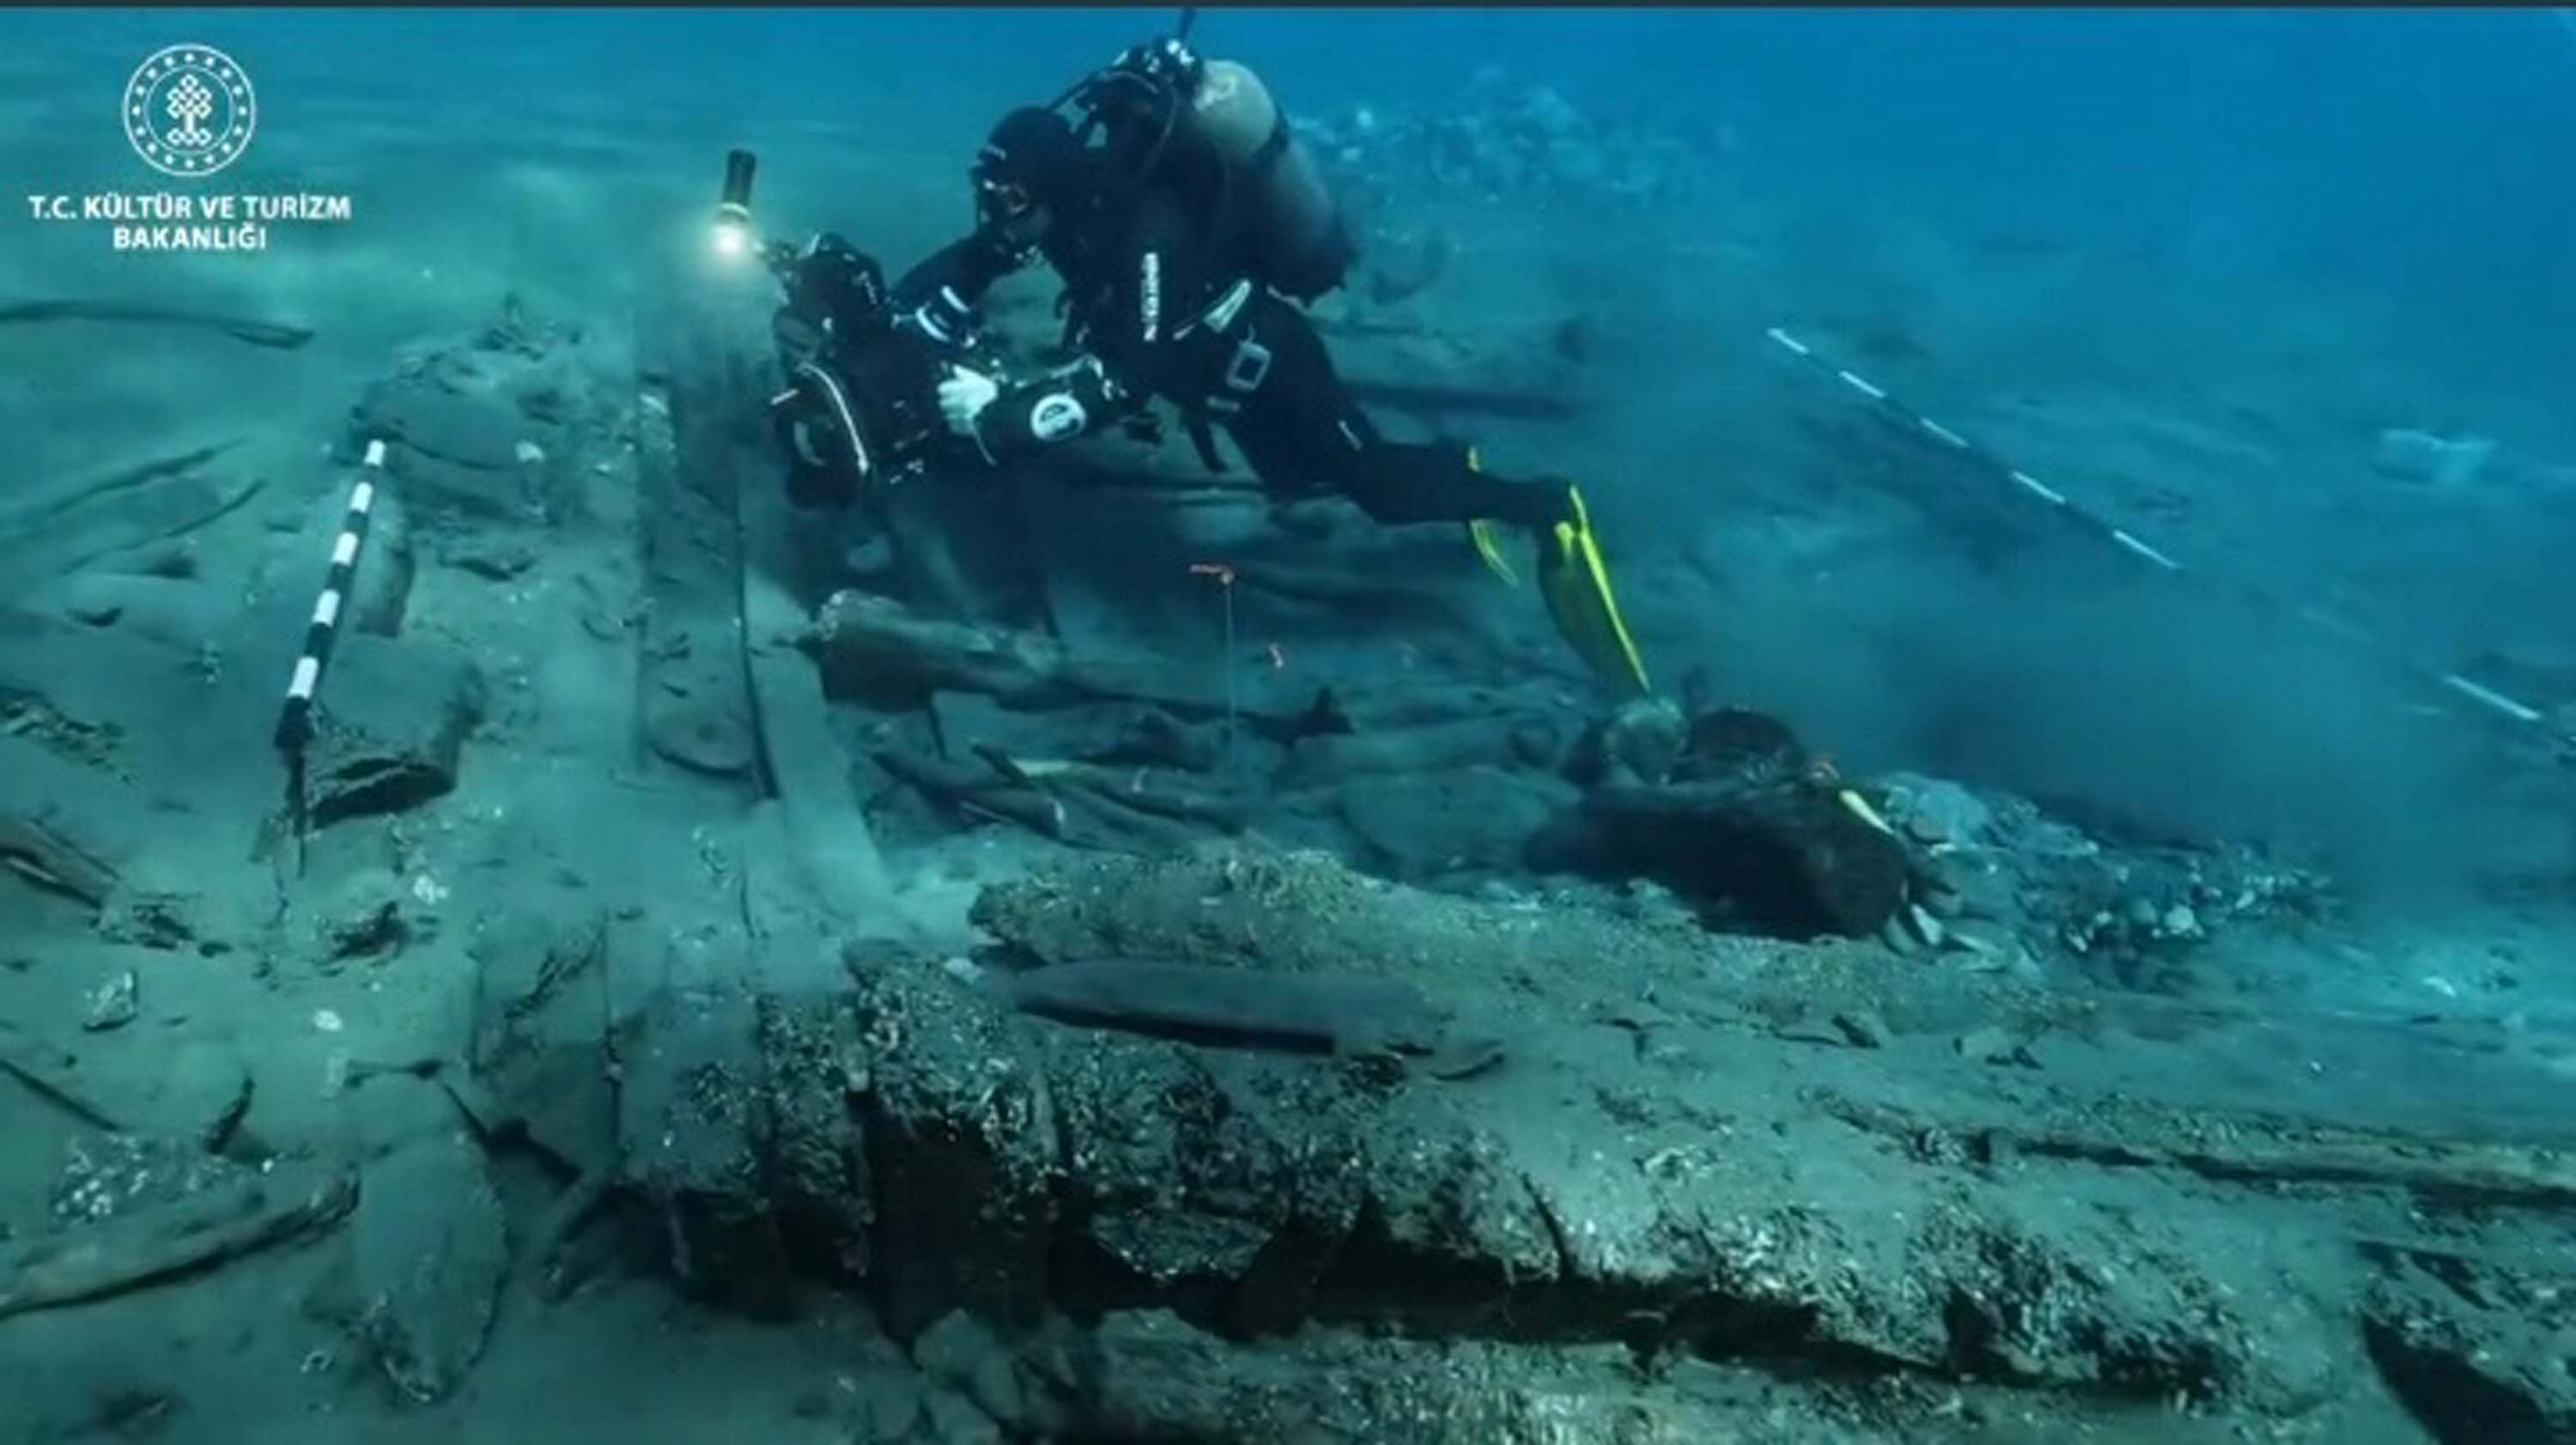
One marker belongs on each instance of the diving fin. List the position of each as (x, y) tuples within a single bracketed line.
[(1576, 583), (1486, 534)]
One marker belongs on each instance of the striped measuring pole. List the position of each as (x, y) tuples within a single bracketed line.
[(295, 719), (2452, 685)]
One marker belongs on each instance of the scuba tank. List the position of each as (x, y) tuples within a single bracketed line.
[(1300, 244), (1162, 101)]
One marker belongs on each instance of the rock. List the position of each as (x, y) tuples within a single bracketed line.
[(525, 963), (1478, 819), (2417, 456), (2179, 922), (1498, 742), (174, 558), (818, 1173), (429, 1255), (1234, 1185), (1985, 895), (2031, 1297), (1935, 811), (1639, 743), (1772, 850), (705, 731), (113, 1004), (952, 1112), (1988, 1045), (1728, 741), (133, 1414), (540, 1040), (964, 1354), (494, 556), (394, 718), (891, 1409), (956, 1421), (1900, 939), (145, 915), (1751, 827), (364, 919), (1149, 1374), (2470, 1349), (1864, 1029), (178, 614), (1217, 1211), (689, 1108), (1153, 1372), (456, 429), (118, 1174)]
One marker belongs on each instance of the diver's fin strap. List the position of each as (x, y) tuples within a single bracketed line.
[(1484, 533)]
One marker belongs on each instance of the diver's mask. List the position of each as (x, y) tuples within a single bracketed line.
[(1000, 202), (1032, 163)]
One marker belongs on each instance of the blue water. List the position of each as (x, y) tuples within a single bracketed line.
[(2425, 153)]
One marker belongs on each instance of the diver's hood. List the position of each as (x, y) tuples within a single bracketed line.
[(1037, 150)]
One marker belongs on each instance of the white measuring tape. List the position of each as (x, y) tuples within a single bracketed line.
[(2493, 703)]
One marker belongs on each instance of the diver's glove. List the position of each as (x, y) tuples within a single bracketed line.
[(963, 396), (1056, 407)]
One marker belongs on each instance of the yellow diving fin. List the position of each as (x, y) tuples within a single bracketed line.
[(1483, 532), (1576, 583), (1486, 534)]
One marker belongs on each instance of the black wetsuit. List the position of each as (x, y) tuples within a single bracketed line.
[(1161, 303)]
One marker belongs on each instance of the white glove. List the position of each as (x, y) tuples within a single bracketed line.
[(963, 397)]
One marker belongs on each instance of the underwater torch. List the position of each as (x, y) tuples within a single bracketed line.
[(733, 208)]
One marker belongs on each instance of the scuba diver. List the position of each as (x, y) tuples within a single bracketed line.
[(1187, 222)]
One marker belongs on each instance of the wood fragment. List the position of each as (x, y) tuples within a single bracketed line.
[(118, 1256), (52, 1081), (874, 647), (2257, 1151), (1051, 801), (66, 529), (571, 1211), (50, 860), (48, 507), (273, 335)]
